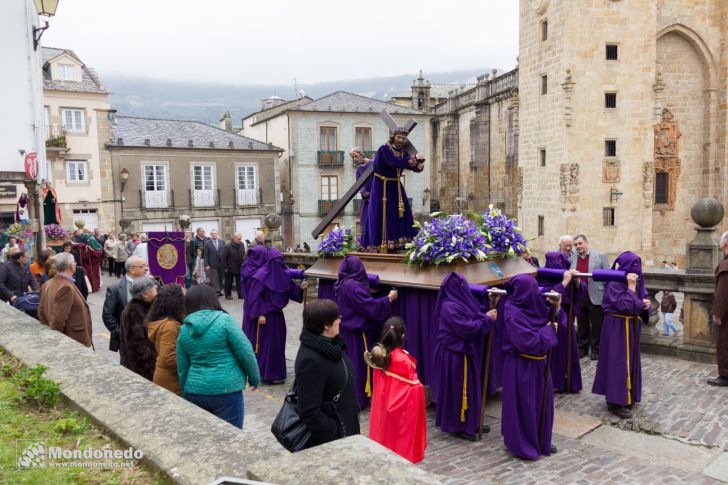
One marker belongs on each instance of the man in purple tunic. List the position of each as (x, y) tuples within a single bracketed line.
[(252, 263), (389, 221), (269, 292), (560, 354), (363, 163), (619, 369), (359, 313), (528, 401), (462, 326)]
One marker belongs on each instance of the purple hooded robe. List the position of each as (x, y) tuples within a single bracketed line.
[(619, 369), (255, 259), (365, 191), (527, 338), (459, 356), (362, 317), (560, 354), (270, 290), (389, 164)]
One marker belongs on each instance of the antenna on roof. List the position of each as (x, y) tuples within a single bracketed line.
[(295, 90)]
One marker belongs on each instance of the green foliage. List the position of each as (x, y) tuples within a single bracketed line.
[(36, 388), (70, 426)]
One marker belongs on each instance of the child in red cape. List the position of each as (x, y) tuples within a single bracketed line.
[(397, 418)]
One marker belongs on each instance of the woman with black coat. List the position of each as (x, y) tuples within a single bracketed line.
[(136, 351), (324, 371)]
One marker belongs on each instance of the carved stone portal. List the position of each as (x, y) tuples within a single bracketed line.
[(667, 152), (611, 171)]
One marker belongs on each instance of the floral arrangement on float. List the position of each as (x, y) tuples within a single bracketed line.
[(447, 238), (15, 229), (338, 242), (55, 232)]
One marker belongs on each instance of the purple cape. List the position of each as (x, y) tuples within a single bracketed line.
[(365, 191), (526, 340), (560, 355), (619, 369), (362, 317), (458, 353), (389, 164), (268, 294), (256, 258)]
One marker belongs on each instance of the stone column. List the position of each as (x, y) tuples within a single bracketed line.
[(703, 255)]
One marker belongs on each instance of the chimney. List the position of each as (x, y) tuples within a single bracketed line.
[(226, 122)]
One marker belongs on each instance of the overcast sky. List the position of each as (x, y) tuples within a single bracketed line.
[(274, 41)]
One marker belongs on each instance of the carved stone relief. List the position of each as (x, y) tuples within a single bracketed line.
[(569, 185), (611, 171), (648, 170), (568, 87)]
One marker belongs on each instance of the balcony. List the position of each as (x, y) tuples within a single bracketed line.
[(370, 154), (248, 197), (329, 158), (202, 198), (324, 206), (156, 199), (55, 137)]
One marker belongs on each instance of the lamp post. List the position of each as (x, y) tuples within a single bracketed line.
[(425, 197), (123, 178), (45, 8)]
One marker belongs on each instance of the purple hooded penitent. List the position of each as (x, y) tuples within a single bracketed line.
[(619, 369), (256, 258), (362, 317), (458, 356), (560, 354), (527, 338), (268, 294)]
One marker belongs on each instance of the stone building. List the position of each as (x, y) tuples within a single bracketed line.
[(220, 179), (316, 136), (76, 127), (622, 116), (474, 146)]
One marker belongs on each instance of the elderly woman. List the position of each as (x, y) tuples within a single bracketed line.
[(136, 351), (121, 256), (327, 401), (214, 358), (110, 250), (164, 320)]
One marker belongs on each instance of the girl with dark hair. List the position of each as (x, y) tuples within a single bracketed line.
[(324, 376), (38, 268), (214, 358), (163, 322), (397, 418)]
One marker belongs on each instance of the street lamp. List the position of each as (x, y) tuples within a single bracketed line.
[(45, 8), (124, 177), (425, 196), (614, 195)]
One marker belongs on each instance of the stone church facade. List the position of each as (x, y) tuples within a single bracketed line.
[(622, 119)]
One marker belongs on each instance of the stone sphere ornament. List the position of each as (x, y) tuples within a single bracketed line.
[(272, 221), (184, 221), (707, 212), (79, 223)]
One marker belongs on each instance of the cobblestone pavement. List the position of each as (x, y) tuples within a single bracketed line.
[(684, 421)]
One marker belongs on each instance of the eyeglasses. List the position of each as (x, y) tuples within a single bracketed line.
[(140, 266)]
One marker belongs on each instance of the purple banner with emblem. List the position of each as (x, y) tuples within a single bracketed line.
[(167, 255)]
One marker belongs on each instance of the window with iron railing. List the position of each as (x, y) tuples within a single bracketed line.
[(247, 193), (327, 140), (363, 138), (155, 186)]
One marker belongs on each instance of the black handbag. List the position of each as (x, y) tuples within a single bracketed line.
[(288, 427)]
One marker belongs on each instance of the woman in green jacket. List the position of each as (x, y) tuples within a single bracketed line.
[(214, 357)]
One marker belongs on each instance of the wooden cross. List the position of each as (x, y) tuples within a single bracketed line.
[(354, 189)]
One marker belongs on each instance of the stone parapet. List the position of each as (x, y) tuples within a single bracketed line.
[(185, 442)]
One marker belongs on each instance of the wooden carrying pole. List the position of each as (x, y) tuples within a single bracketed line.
[(569, 333), (493, 294), (542, 425)]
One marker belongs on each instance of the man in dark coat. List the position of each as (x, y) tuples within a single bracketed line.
[(117, 296), (212, 252), (231, 259), (15, 277), (720, 315)]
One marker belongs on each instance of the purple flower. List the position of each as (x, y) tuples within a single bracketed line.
[(54, 231), (338, 242), (503, 238), (445, 239)]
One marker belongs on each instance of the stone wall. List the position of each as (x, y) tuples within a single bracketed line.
[(187, 443)]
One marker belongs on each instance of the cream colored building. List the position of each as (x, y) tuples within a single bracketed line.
[(77, 125), (622, 119)]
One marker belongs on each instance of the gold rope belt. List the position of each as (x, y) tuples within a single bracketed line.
[(464, 405), (384, 180), (627, 319), (403, 379), (532, 357), (368, 386)]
